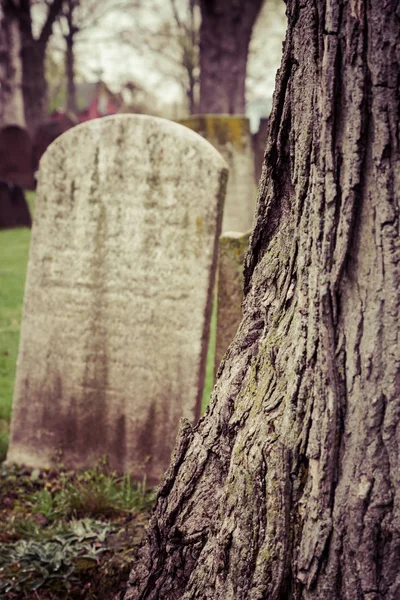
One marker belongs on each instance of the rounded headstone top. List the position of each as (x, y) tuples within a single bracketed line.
[(167, 131)]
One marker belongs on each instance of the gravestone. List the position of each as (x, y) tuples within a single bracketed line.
[(230, 135), (16, 156), (118, 295), (14, 210), (16, 173), (232, 249)]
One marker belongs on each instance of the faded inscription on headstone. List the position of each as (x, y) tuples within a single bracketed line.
[(118, 294)]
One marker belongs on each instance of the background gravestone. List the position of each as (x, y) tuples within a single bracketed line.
[(230, 135), (118, 294), (232, 249), (46, 133), (16, 156), (14, 210), (16, 173)]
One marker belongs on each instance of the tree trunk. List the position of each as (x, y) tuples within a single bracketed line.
[(289, 487), (192, 65), (70, 58), (11, 99), (225, 33), (33, 63), (34, 85)]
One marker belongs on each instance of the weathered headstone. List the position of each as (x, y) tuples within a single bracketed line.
[(118, 294), (232, 249), (230, 135)]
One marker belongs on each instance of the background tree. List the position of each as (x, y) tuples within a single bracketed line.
[(33, 58), (11, 98), (171, 41), (225, 34), (289, 486), (72, 30), (78, 18)]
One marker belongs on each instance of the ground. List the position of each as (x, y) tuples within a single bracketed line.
[(66, 535)]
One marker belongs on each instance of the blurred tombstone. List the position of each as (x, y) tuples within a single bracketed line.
[(259, 143), (15, 174), (232, 249), (230, 135), (46, 134), (118, 295), (14, 211), (16, 156)]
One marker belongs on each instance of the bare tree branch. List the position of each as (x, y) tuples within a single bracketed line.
[(52, 15)]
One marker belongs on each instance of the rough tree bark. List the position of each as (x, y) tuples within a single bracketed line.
[(33, 62), (225, 33), (289, 487), (11, 99)]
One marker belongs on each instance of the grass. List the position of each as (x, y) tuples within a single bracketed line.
[(14, 245), (209, 380)]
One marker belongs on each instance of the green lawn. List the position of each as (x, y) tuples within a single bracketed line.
[(14, 248)]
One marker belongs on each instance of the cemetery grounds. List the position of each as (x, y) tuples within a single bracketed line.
[(63, 535)]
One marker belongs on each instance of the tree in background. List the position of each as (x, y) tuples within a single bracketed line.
[(163, 37), (170, 39), (33, 58), (11, 97), (225, 34), (289, 486), (15, 144), (77, 19), (173, 38), (72, 30)]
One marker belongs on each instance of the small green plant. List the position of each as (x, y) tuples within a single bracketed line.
[(96, 492), (51, 506), (68, 535), (27, 565)]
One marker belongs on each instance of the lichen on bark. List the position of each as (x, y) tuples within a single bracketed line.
[(288, 487)]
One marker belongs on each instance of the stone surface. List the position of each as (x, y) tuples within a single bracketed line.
[(118, 294), (230, 135), (232, 249)]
